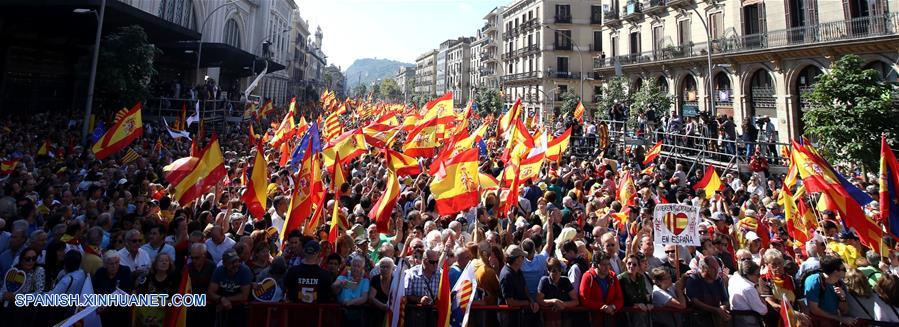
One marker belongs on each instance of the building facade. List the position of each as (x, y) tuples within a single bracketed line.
[(489, 55), (547, 50), (425, 74), (474, 65), (458, 62), (334, 80), (765, 55), (405, 78), (317, 63), (296, 68)]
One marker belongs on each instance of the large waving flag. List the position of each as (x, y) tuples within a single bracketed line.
[(557, 146), (796, 227), (403, 164), (265, 109), (193, 118), (287, 128), (382, 211), (579, 112), (255, 195), (456, 185), (347, 146), (652, 153), (440, 109), (422, 141), (194, 179), (307, 192), (336, 222), (124, 131), (506, 120), (378, 135), (889, 182), (709, 183), (444, 298)]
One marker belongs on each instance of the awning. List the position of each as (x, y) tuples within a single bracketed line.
[(219, 55)]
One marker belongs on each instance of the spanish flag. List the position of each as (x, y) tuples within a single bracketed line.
[(255, 195), (456, 185), (709, 183), (124, 131), (795, 224), (197, 178), (626, 189), (652, 153), (444, 302), (558, 145), (505, 122), (579, 112), (287, 128), (511, 200), (403, 165), (377, 135), (8, 166), (382, 211), (440, 109), (422, 141), (336, 222), (528, 168), (44, 150), (347, 146), (889, 182), (307, 192), (266, 109), (177, 316)]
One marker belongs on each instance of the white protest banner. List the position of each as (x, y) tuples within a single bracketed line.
[(676, 224)]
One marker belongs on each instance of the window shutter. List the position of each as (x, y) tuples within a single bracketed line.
[(763, 20), (847, 10), (788, 4), (811, 12)]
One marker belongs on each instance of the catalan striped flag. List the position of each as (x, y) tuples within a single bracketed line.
[(710, 183), (332, 127), (127, 128), (652, 153), (255, 196), (130, 156), (455, 187), (579, 112)]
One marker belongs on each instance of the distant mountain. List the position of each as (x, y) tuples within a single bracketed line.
[(368, 69)]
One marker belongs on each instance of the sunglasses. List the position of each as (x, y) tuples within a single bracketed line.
[(434, 262), (28, 259), (670, 251)]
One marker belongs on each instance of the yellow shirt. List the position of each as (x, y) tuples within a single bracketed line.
[(847, 252)]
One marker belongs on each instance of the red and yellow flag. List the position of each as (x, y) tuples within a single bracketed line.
[(652, 153), (558, 145), (796, 226), (8, 166), (507, 119), (266, 109), (422, 141), (177, 316), (627, 192), (709, 183), (579, 112), (336, 222), (403, 165), (255, 195), (194, 179), (440, 109), (455, 187), (332, 125), (347, 146), (307, 192), (444, 302), (287, 128), (382, 211), (124, 131)]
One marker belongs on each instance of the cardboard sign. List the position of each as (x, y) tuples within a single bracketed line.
[(14, 280), (676, 224)]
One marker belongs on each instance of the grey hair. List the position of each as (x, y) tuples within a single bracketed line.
[(873, 258), (811, 248), (454, 224), (386, 260), (20, 226), (131, 233), (199, 246), (36, 233), (773, 254), (354, 258), (706, 262), (95, 235), (111, 254)]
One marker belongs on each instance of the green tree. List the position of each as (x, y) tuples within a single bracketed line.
[(489, 102), (125, 68), (613, 92), (649, 97), (851, 107), (569, 102), (360, 90), (389, 90)]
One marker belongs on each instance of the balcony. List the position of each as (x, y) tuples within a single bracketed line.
[(530, 49), (595, 19), (611, 18), (677, 4), (562, 75), (565, 46), (654, 7), (521, 77), (529, 25), (563, 19), (632, 12), (508, 55), (488, 27)]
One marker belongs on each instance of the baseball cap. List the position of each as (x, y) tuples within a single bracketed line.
[(230, 256), (752, 236), (311, 247), (717, 216)]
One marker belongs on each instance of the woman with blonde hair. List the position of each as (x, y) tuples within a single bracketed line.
[(863, 302)]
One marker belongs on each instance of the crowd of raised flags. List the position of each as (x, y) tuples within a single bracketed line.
[(447, 163)]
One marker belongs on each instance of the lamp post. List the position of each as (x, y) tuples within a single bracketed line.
[(579, 57), (202, 27), (93, 76), (708, 54)]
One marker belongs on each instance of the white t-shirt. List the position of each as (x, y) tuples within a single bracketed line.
[(217, 250), (139, 262)]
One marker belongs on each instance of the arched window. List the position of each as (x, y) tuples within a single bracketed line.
[(232, 34), (180, 12)]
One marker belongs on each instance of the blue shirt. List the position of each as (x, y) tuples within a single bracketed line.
[(817, 291), (454, 273), (533, 270), (230, 285), (347, 294)]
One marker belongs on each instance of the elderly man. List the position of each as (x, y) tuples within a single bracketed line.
[(106, 280), (743, 293), (423, 280), (708, 294), (230, 283), (610, 245), (132, 256), (217, 243), (463, 256), (17, 239)]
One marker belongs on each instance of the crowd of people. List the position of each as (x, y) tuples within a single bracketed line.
[(567, 245)]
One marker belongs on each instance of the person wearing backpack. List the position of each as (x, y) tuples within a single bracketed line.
[(825, 294)]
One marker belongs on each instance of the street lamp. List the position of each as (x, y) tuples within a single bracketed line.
[(708, 54), (93, 77), (579, 57), (202, 27)]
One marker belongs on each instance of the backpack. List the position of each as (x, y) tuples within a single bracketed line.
[(800, 291)]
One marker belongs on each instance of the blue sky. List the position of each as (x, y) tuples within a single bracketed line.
[(392, 29)]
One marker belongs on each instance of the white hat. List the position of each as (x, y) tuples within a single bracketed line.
[(752, 236)]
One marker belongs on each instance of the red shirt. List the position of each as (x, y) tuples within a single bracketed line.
[(591, 294)]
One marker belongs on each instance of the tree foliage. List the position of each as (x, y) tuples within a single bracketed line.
[(489, 102), (360, 90), (613, 92), (851, 107), (569, 102), (389, 90), (649, 96), (125, 68)]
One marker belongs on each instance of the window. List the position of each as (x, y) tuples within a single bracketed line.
[(683, 32), (614, 46), (597, 41), (658, 38), (751, 20), (716, 24), (180, 12), (563, 40), (562, 64), (595, 14), (232, 34), (635, 43), (563, 14)]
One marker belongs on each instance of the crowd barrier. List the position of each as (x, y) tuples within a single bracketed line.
[(321, 315)]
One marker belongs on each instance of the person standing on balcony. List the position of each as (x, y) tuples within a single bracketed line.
[(750, 136)]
